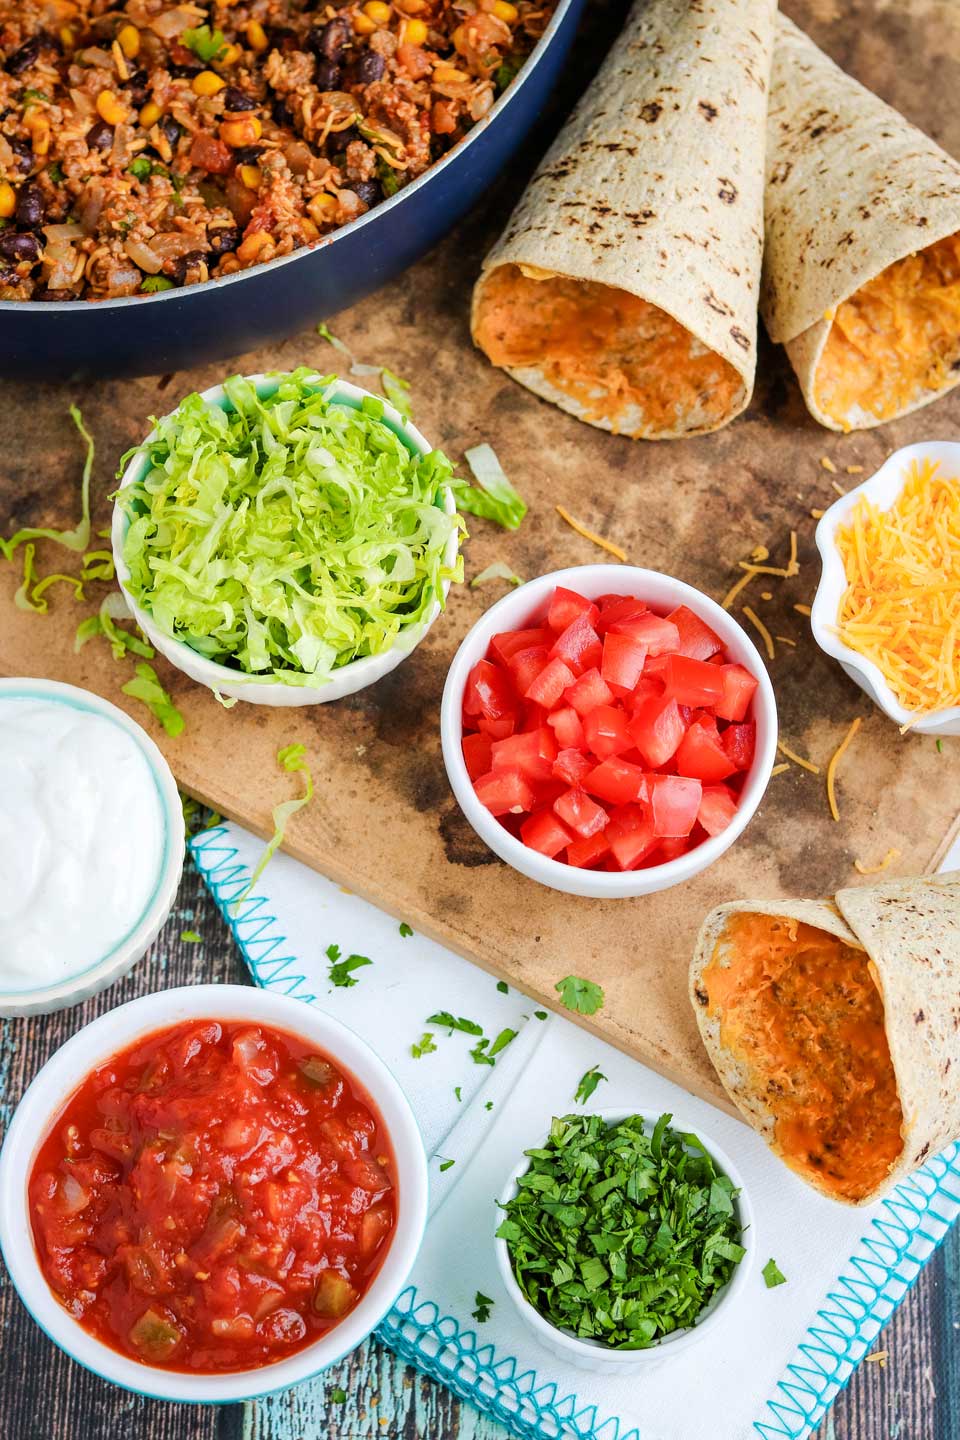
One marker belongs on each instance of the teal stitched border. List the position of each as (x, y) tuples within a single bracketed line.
[(912, 1223)]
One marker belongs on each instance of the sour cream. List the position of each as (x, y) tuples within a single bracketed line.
[(82, 839)]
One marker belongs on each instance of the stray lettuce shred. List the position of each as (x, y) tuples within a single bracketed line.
[(397, 392), (497, 571), (146, 686), (288, 535), (495, 499), (291, 758), (77, 539)]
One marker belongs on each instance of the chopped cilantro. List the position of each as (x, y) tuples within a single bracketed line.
[(338, 1396), (502, 1041), (539, 1014), (588, 1083), (341, 973), (488, 1105), (505, 74), (483, 1305), (155, 283), (31, 97), (192, 937), (55, 171), (940, 747), (424, 1046), (773, 1275), (583, 996), (503, 987), (332, 953), (205, 43), (405, 930), (388, 177), (479, 1054), (452, 1022), (456, 1091), (445, 1164), (621, 1235)]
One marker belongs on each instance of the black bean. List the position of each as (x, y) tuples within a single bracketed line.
[(184, 72), (367, 68), (327, 75), (19, 247), (280, 37), (280, 113), (30, 207), (47, 294), (137, 88), (23, 150), (100, 135), (248, 154), (170, 130), (225, 239), (183, 263), (23, 58), (338, 140), (329, 41), (369, 191), (235, 99)]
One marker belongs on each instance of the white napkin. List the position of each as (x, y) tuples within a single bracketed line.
[(772, 1370)]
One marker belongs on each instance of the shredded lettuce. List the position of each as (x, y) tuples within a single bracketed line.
[(79, 538), (287, 535), (497, 571), (112, 609), (496, 498), (30, 594), (342, 348), (397, 392), (146, 686), (292, 758)]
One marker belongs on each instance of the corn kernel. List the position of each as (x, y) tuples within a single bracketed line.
[(251, 175), (414, 32), (256, 36), (449, 75), (240, 130), (505, 11), (39, 127), (150, 114), (411, 7), (253, 245), (67, 37), (230, 55), (308, 230), (322, 208), (377, 11), (128, 37), (206, 83), (8, 200), (459, 38), (363, 25), (110, 109)]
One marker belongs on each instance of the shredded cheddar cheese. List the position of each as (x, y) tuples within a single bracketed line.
[(797, 759), (802, 609), (785, 640), (828, 464), (888, 859), (754, 567), (835, 759), (901, 607), (854, 469), (762, 631), (590, 535), (779, 769)]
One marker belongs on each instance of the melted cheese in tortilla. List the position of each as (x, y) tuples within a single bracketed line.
[(896, 337), (614, 354), (802, 1019)]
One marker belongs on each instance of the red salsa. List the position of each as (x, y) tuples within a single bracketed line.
[(214, 1198), (608, 736)]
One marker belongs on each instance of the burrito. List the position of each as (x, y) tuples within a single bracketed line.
[(625, 286), (833, 1027), (861, 270)]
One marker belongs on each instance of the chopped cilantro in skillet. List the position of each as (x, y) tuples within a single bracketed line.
[(583, 996), (588, 1083), (619, 1235), (772, 1274)]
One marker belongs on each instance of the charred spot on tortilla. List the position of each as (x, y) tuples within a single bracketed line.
[(651, 112), (708, 111)]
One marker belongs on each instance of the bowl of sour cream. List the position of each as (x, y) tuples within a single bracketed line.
[(91, 844)]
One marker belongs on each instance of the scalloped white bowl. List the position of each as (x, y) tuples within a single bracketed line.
[(882, 489)]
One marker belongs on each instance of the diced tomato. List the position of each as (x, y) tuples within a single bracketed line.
[(617, 781), (497, 729), (550, 683), (740, 743), (616, 608), (657, 729), (660, 636), (738, 688), (692, 682), (582, 814), (210, 154), (566, 606), (532, 753), (672, 849), (476, 755), (622, 662), (648, 687), (571, 766), (489, 692), (508, 642), (589, 850), (697, 640), (532, 716), (588, 692), (630, 835), (526, 665), (718, 805), (567, 726), (544, 832), (701, 754), (505, 792), (579, 646), (675, 802), (605, 731)]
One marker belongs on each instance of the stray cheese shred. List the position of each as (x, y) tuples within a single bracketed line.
[(835, 759), (797, 759), (762, 631), (901, 607), (888, 859), (591, 535)]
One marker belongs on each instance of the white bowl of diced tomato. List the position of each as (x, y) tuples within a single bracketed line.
[(608, 730)]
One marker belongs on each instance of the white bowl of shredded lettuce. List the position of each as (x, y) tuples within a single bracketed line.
[(285, 539)]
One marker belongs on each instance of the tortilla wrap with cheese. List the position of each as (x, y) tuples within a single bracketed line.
[(835, 1028), (624, 288), (861, 270)]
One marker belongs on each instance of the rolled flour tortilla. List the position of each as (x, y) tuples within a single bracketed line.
[(624, 288), (835, 1028), (861, 269)]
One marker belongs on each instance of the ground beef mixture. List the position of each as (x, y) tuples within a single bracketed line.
[(150, 145)]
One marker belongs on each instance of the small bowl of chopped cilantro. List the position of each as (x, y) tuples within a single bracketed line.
[(285, 539), (623, 1239)]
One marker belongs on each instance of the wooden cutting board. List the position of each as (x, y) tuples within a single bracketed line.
[(384, 823)]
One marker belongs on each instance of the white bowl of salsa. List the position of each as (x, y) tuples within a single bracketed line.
[(169, 1160)]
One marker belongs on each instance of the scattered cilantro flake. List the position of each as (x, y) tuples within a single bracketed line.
[(341, 974), (55, 171), (423, 1046), (505, 74), (405, 930), (493, 497), (332, 952), (205, 43), (488, 1105), (940, 746), (479, 1054), (445, 1164), (456, 1091), (483, 1305), (539, 1014), (502, 1041), (192, 937), (291, 758), (388, 177), (153, 284), (497, 571), (503, 987), (773, 1275), (452, 1022), (33, 97), (338, 1396), (619, 1235), (583, 996), (146, 686), (588, 1083)]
